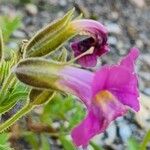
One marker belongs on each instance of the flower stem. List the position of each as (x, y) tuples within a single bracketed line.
[(17, 116)]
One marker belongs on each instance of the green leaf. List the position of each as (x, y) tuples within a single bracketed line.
[(11, 101), (32, 139), (54, 110), (62, 108), (9, 25), (45, 143), (4, 143), (132, 144), (50, 37), (66, 143), (4, 138), (5, 147), (23, 111), (95, 146), (145, 141), (15, 97), (78, 116), (4, 70), (7, 107)]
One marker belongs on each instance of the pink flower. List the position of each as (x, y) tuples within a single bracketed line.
[(98, 40), (106, 93)]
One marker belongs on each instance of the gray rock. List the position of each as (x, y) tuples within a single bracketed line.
[(19, 34), (113, 28), (112, 40), (146, 58), (139, 43), (147, 91), (124, 129), (111, 131), (12, 45), (31, 9), (145, 75), (63, 2)]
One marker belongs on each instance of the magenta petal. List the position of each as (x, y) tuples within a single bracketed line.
[(75, 47), (128, 99), (104, 49), (129, 60), (97, 121), (110, 77), (79, 47), (89, 25), (86, 130), (78, 82), (88, 60), (100, 79), (120, 80)]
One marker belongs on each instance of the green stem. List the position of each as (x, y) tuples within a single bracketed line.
[(17, 116), (145, 141)]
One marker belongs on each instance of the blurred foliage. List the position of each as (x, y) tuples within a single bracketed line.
[(12, 91), (145, 141), (64, 111), (8, 25), (4, 144), (95, 146), (132, 144), (66, 143), (63, 108), (32, 139)]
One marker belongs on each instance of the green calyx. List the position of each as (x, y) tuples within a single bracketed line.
[(51, 37), (39, 73)]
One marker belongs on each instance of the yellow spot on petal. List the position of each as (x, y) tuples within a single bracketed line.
[(103, 97)]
